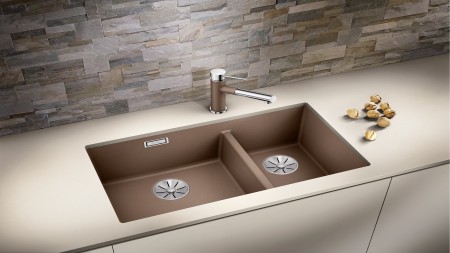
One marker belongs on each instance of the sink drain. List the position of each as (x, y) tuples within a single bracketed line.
[(280, 164), (171, 189)]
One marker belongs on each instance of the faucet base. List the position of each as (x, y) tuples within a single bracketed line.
[(226, 108)]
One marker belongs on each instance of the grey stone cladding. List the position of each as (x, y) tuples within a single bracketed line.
[(65, 61)]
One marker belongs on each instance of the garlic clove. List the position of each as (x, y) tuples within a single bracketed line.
[(370, 135), (373, 114), (375, 98), (383, 122), (353, 113), (370, 106)]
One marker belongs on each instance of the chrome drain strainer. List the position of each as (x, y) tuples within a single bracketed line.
[(280, 164), (171, 189)]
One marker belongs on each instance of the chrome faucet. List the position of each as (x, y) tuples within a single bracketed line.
[(219, 89)]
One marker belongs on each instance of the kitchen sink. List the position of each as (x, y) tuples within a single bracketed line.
[(167, 171)]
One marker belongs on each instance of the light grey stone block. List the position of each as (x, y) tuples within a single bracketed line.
[(324, 54), (308, 7), (31, 60), (76, 52), (396, 42), (164, 12), (259, 68), (31, 22), (259, 37), (96, 64), (282, 50), (191, 2), (207, 63), (65, 13), (106, 45), (8, 23), (36, 92), (22, 108), (82, 85), (5, 41), (137, 37), (167, 51), (406, 9), (121, 25), (170, 82), (125, 58), (191, 31), (60, 29), (140, 67), (90, 29)]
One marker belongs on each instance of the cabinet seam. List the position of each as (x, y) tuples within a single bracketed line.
[(379, 214)]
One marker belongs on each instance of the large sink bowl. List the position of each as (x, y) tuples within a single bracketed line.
[(168, 171)]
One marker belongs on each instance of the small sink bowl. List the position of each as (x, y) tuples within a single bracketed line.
[(218, 161), (301, 134)]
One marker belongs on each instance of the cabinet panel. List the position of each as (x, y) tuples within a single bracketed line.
[(108, 249), (339, 221), (415, 215)]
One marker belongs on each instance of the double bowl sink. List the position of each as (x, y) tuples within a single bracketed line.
[(164, 172)]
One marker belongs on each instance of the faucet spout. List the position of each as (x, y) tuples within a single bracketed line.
[(219, 89), (256, 95)]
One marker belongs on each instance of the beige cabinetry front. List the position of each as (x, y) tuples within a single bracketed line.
[(340, 222), (415, 215)]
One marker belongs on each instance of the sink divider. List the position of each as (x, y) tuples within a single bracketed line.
[(241, 165)]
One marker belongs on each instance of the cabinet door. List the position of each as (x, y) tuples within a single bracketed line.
[(415, 215), (339, 222), (108, 249)]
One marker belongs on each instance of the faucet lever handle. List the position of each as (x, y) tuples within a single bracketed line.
[(219, 75), (238, 78)]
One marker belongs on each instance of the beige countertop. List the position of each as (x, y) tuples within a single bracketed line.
[(51, 199)]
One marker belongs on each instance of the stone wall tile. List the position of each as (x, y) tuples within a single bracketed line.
[(9, 23), (137, 37), (282, 50), (323, 54), (121, 25), (164, 12), (111, 78), (96, 64), (167, 51), (5, 41), (106, 45), (170, 82), (406, 9), (65, 13), (76, 52), (308, 7), (125, 58), (396, 41), (31, 22), (60, 29), (211, 62), (32, 59), (90, 29), (259, 68)]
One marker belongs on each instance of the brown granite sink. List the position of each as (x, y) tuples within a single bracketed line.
[(218, 160)]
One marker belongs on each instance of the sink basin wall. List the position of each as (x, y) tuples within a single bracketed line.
[(219, 160)]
